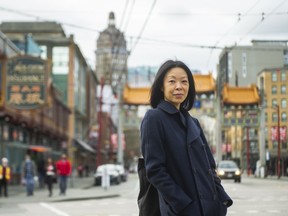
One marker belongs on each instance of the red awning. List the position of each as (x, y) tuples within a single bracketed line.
[(38, 148)]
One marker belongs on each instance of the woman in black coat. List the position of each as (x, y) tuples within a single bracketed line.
[(50, 175), (177, 157)]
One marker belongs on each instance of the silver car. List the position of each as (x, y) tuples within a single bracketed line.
[(228, 169)]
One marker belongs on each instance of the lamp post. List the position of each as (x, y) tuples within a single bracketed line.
[(278, 140), (99, 143)]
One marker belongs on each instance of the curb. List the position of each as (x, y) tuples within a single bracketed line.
[(86, 198)]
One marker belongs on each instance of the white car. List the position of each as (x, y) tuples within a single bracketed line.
[(112, 171), (122, 172)]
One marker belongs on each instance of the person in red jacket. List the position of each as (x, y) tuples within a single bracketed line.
[(63, 170)]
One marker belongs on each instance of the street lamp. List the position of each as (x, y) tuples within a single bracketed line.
[(278, 140), (100, 129)]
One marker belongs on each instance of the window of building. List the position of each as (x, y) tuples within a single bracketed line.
[(60, 60), (275, 144), (283, 103), (274, 76), (283, 89), (285, 57), (284, 117), (244, 71), (274, 89), (274, 117), (43, 54), (283, 76), (274, 102)]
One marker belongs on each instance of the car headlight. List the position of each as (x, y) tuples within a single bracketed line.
[(237, 172), (221, 172)]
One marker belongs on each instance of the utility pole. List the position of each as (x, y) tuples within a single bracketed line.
[(278, 139), (99, 143), (120, 126), (248, 152), (262, 131), (218, 123)]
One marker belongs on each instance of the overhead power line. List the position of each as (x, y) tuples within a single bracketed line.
[(144, 26)]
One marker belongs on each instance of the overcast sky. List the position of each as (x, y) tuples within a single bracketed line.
[(182, 29)]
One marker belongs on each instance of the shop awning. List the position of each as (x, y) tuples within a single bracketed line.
[(84, 145), (39, 148)]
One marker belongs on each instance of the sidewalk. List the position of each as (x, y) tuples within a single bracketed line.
[(269, 177), (77, 189)]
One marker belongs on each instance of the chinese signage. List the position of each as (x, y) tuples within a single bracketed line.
[(114, 141), (282, 132), (247, 118), (26, 82)]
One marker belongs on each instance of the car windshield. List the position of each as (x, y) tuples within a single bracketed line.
[(227, 165)]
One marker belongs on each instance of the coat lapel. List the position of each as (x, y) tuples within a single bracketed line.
[(193, 130)]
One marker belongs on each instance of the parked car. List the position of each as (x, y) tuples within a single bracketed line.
[(112, 171), (122, 172), (228, 169)]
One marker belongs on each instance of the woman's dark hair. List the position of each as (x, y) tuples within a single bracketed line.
[(156, 93)]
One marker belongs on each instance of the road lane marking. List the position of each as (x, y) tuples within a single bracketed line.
[(53, 209), (274, 211), (252, 211)]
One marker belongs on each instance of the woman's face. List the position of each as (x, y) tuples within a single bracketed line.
[(175, 86)]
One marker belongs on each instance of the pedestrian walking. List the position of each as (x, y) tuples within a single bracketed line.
[(177, 157), (63, 170), (29, 174), (50, 175), (5, 176), (41, 172)]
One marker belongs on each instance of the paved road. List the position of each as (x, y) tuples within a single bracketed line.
[(257, 197)]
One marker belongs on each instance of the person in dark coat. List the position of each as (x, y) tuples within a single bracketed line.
[(177, 157), (50, 175)]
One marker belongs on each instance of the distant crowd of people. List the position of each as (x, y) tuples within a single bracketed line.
[(44, 172)]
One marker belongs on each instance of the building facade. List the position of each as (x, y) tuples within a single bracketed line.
[(33, 119), (69, 72), (112, 55), (273, 82), (239, 65)]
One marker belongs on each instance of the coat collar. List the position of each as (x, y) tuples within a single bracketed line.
[(167, 107), (193, 128)]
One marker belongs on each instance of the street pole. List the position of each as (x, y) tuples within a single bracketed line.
[(219, 124), (99, 143), (278, 138), (120, 144), (248, 151), (262, 131), (262, 142)]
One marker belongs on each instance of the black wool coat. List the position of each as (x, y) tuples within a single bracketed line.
[(180, 165)]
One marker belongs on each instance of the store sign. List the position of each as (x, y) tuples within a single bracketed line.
[(26, 82)]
